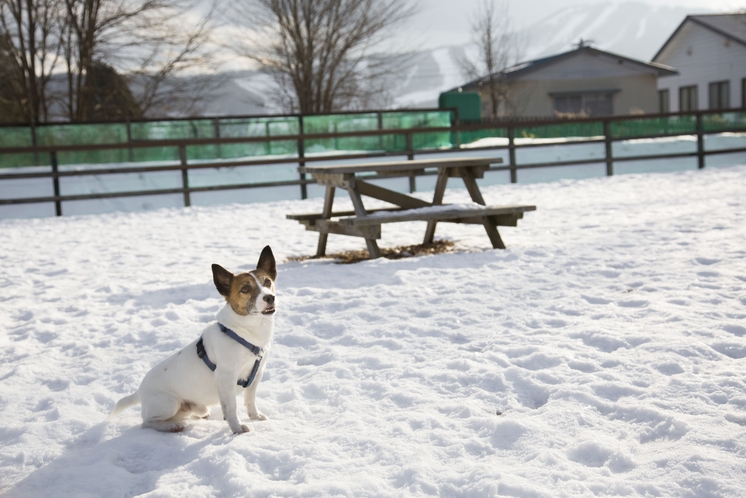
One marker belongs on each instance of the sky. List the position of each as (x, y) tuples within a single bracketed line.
[(445, 22), (441, 23)]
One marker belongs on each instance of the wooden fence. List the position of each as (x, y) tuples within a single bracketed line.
[(458, 132)]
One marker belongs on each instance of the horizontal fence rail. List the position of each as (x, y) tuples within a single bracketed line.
[(426, 134)]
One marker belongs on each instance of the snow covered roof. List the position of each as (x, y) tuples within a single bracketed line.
[(732, 26), (524, 68)]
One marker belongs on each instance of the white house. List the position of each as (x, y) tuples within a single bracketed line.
[(709, 53)]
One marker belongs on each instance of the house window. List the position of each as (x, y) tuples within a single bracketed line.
[(572, 104), (663, 102), (688, 98), (592, 104), (720, 95)]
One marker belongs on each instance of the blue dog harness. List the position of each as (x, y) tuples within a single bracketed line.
[(254, 349)]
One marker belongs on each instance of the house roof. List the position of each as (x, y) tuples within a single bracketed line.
[(732, 26), (524, 68)]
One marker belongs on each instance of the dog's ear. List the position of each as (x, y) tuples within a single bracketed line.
[(223, 280), (267, 262)]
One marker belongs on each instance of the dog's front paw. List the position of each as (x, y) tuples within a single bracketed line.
[(258, 416), (241, 429)]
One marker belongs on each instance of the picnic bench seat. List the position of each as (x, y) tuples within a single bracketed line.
[(503, 215), (347, 223)]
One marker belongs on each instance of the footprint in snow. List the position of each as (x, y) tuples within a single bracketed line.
[(538, 361), (603, 343), (582, 366), (735, 351), (736, 419), (56, 385), (596, 300), (613, 392), (592, 454), (633, 304), (670, 368), (735, 330), (316, 360), (506, 434), (529, 394)]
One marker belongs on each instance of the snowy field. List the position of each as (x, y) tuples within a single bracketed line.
[(602, 354)]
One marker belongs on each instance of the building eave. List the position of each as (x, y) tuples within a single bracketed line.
[(699, 22)]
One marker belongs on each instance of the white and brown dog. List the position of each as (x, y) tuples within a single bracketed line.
[(228, 358)]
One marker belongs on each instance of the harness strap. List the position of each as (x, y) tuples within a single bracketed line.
[(243, 342), (203, 354), (250, 379), (254, 349)]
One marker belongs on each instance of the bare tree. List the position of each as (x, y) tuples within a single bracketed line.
[(11, 110), (30, 42), (324, 55), (498, 48), (151, 41), (103, 49)]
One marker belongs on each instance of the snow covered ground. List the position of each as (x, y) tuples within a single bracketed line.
[(602, 353)]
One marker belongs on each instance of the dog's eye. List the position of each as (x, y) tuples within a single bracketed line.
[(267, 283), (245, 289)]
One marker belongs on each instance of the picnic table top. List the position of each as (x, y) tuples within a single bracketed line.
[(382, 166)]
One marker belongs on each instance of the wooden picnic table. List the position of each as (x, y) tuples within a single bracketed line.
[(366, 223)]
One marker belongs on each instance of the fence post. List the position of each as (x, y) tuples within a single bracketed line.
[(56, 183), (511, 155), (700, 142), (456, 122), (33, 143), (216, 128), (607, 144), (380, 127), (269, 142), (184, 175), (301, 159), (410, 157), (128, 127)]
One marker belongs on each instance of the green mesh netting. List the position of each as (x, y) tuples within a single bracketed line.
[(116, 133), (654, 126), (724, 122), (16, 136)]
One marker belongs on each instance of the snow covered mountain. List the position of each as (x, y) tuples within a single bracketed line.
[(633, 29)]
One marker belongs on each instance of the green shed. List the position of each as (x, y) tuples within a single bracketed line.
[(469, 104)]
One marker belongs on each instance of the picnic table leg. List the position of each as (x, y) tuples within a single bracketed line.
[(440, 189), (326, 214), (489, 225), (360, 211)]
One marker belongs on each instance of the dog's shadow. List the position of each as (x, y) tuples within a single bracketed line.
[(127, 465)]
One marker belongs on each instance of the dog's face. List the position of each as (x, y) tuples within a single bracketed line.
[(251, 293)]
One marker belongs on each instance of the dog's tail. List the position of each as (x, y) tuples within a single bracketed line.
[(124, 403)]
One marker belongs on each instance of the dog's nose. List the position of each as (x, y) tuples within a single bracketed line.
[(269, 298)]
